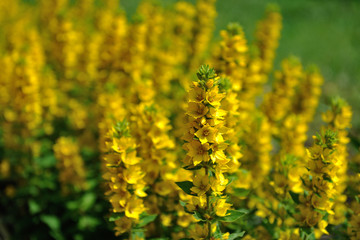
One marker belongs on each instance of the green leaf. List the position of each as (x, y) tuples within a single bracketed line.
[(46, 162), (146, 220), (86, 222), (52, 221), (323, 212), (185, 186), (34, 207), (241, 192), (295, 197), (115, 216), (307, 233), (72, 205), (182, 203), (234, 215), (137, 233), (198, 216), (87, 201), (234, 236), (191, 168)]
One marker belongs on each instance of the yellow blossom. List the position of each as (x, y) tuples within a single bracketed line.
[(201, 185)]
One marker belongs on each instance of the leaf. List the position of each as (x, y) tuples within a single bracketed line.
[(198, 216), (185, 186), (87, 201), (46, 162), (52, 221), (295, 197), (137, 234), (241, 192), (115, 216), (34, 207), (86, 222), (72, 205), (146, 220), (234, 236), (182, 203), (307, 233), (234, 215), (190, 167)]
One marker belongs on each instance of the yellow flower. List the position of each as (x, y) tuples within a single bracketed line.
[(122, 225), (322, 226), (217, 114), (206, 134), (218, 155), (131, 158), (321, 202), (313, 218), (166, 220), (196, 94), (197, 203), (201, 185), (200, 232), (134, 208), (221, 207), (133, 174), (218, 185), (198, 152), (197, 110), (213, 97)]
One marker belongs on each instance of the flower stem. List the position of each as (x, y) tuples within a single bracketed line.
[(208, 208)]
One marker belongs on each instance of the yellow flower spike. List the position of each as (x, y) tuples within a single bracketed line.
[(208, 143), (70, 164), (321, 189), (267, 36)]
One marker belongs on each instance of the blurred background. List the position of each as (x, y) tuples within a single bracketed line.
[(325, 33)]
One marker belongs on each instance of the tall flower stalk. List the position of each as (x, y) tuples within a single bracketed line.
[(206, 147)]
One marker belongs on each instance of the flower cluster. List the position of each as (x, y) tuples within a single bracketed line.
[(338, 119), (268, 34), (124, 176), (70, 164), (205, 147), (316, 203)]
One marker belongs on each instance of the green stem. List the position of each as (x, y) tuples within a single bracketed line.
[(208, 208)]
